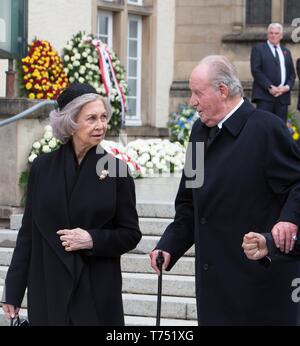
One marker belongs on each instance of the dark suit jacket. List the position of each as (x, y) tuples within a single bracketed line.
[(264, 71), (298, 73), (251, 180), (82, 285)]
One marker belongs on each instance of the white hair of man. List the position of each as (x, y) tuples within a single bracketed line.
[(222, 71), (63, 121), (275, 26)]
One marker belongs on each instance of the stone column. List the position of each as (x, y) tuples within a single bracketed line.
[(10, 79)]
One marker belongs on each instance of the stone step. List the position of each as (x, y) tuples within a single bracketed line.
[(5, 256), (148, 243), (137, 283), (146, 209), (156, 209), (16, 221), (145, 305), (8, 239), (153, 226), (134, 263), (129, 320), (148, 225), (150, 321), (172, 285), (171, 307)]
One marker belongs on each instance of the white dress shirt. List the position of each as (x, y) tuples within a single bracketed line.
[(281, 60)]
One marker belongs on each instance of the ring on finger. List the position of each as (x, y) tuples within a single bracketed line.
[(294, 237)]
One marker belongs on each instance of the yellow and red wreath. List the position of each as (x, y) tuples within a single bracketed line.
[(43, 74)]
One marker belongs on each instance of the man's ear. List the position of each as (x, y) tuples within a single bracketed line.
[(224, 90)]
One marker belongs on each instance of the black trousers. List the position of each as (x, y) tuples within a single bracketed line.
[(274, 107)]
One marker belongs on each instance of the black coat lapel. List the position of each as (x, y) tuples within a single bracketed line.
[(50, 204)]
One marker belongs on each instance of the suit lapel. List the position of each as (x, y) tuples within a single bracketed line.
[(270, 54)]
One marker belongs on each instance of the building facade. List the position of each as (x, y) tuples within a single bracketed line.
[(160, 42)]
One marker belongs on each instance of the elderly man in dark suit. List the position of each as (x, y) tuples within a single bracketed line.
[(251, 182), (273, 72)]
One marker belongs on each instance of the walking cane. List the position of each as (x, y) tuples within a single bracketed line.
[(159, 263)]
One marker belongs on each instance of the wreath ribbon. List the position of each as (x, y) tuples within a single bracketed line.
[(107, 70)]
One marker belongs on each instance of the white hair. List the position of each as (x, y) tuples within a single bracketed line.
[(276, 26), (63, 121), (222, 71)]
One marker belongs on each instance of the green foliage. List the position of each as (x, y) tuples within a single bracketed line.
[(23, 182)]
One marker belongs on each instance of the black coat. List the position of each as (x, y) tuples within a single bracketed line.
[(251, 180), (298, 73), (264, 71), (276, 255), (82, 286)]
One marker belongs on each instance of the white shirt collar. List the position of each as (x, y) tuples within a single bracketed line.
[(271, 45), (220, 124)]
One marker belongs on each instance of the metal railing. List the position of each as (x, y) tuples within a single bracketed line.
[(27, 112)]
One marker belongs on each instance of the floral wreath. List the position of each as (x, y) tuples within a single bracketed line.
[(82, 62), (42, 74)]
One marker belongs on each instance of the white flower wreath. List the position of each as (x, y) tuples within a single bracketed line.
[(81, 64)]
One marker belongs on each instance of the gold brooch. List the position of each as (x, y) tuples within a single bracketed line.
[(104, 174)]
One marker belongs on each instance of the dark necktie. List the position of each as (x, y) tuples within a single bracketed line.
[(276, 55), (278, 65), (213, 131)]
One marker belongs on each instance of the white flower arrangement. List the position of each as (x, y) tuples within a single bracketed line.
[(145, 158), (150, 157), (46, 144), (157, 157), (81, 64), (119, 151)]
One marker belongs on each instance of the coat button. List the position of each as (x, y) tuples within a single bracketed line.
[(203, 220), (205, 266)]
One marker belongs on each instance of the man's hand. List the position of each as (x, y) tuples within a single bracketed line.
[(10, 311), (154, 254), (284, 89), (255, 246), (284, 234), (278, 91), (274, 91), (75, 239)]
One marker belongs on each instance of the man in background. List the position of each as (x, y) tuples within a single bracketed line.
[(273, 72)]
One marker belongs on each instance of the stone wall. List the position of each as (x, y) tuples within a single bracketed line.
[(217, 27), (15, 144)]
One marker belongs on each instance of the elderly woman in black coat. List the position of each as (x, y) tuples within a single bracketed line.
[(80, 217)]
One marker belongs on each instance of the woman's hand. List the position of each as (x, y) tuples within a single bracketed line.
[(75, 239), (255, 246), (10, 311)]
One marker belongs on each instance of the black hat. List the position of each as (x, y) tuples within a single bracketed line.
[(74, 90)]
